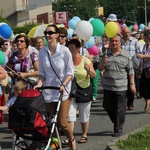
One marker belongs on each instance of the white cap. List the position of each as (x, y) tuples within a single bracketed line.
[(112, 17)]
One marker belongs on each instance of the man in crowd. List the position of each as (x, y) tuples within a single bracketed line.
[(132, 46), (118, 66)]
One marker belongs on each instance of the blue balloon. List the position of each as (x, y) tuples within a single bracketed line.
[(90, 42), (72, 24), (142, 26), (90, 19), (5, 31), (69, 33), (76, 18)]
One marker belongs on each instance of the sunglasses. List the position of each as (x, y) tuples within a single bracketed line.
[(49, 32), (21, 41)]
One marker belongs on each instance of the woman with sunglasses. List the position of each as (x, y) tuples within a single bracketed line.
[(23, 63), (56, 69)]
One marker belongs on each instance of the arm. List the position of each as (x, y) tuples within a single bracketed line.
[(143, 56), (2, 73), (102, 65), (132, 84), (90, 70)]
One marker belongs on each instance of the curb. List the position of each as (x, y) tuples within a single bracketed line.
[(112, 145)]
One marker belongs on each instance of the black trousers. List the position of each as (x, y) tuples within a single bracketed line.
[(130, 96), (114, 103)]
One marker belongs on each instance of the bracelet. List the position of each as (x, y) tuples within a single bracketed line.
[(132, 83)]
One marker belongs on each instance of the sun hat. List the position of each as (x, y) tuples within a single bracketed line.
[(112, 17)]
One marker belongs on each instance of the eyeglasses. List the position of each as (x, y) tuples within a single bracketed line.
[(49, 32), (62, 36), (5, 44), (21, 41)]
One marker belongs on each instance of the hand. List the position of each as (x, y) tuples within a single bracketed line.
[(37, 86), (86, 67), (62, 88), (133, 89), (23, 74), (105, 59)]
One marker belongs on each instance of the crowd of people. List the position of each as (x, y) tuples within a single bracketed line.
[(123, 63)]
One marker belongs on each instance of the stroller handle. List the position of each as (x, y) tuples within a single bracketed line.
[(48, 87)]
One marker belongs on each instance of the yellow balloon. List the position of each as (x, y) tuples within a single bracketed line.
[(31, 32), (111, 29)]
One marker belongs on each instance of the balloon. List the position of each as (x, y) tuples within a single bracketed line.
[(119, 28), (90, 42), (98, 27), (93, 50), (45, 41), (131, 28), (142, 26), (69, 33), (84, 30), (135, 26), (72, 23), (76, 18), (90, 19), (5, 31), (2, 58), (111, 29)]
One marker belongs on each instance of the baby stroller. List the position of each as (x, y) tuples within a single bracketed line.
[(29, 120)]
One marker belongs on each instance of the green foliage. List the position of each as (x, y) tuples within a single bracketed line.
[(85, 9), (4, 20), (24, 29), (138, 141)]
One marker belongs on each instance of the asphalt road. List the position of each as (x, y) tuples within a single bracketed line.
[(100, 129)]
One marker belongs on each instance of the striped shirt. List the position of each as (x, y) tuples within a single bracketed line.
[(132, 46), (117, 69)]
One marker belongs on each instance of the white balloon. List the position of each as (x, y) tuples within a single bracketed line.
[(84, 30), (149, 24)]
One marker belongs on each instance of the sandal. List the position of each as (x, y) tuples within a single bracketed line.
[(71, 145), (83, 140), (65, 142)]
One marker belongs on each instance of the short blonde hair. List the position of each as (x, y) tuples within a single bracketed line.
[(20, 85)]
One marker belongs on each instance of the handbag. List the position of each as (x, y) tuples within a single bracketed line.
[(147, 72), (4, 82), (73, 90), (84, 94)]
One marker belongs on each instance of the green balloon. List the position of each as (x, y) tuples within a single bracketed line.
[(45, 41), (98, 27), (2, 58)]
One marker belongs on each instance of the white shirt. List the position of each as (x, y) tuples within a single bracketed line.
[(63, 65), (11, 101)]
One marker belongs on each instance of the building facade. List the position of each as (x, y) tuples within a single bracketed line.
[(19, 12)]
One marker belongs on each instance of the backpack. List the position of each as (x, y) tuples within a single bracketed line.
[(28, 117)]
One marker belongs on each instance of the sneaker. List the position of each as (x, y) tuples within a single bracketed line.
[(117, 134), (94, 99)]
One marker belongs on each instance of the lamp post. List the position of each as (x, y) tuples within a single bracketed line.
[(145, 9), (133, 12)]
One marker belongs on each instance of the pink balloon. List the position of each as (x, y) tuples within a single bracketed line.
[(119, 28), (93, 50), (135, 26)]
